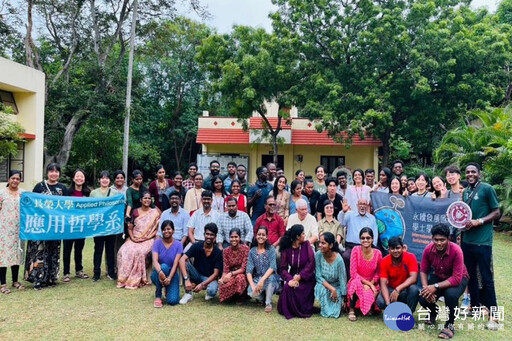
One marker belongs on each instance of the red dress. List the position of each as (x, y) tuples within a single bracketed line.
[(369, 270), (234, 260)]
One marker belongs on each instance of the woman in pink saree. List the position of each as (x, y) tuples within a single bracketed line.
[(131, 258)]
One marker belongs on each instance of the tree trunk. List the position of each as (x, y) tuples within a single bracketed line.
[(386, 149), (275, 149), (72, 129)]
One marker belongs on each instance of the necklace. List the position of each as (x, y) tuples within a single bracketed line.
[(298, 257)]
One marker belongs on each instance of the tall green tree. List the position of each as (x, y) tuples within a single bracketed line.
[(407, 67), (248, 68), (9, 133)]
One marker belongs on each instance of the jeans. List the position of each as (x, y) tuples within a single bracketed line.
[(266, 294), (481, 256), (107, 242), (408, 296), (172, 291), (451, 299), (68, 246), (196, 277)]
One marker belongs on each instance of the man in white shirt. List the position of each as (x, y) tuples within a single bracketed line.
[(201, 217), (305, 219)]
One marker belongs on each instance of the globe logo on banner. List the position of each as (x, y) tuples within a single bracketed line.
[(398, 316)]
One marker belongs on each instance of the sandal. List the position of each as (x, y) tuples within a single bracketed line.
[(67, 278), (352, 316), (82, 275), (446, 333), (157, 303), (5, 290), (268, 308), (18, 286)]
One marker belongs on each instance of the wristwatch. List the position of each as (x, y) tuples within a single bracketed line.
[(186, 278), (436, 285), (481, 221)]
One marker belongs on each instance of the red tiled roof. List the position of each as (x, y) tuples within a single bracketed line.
[(257, 123), (311, 137), (219, 135), (27, 136)]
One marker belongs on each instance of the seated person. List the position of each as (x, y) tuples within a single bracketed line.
[(166, 256), (203, 274), (297, 269), (363, 285), (306, 220), (233, 282), (331, 278), (329, 223), (262, 269), (444, 261), (398, 276)]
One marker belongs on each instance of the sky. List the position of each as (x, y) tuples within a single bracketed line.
[(226, 13)]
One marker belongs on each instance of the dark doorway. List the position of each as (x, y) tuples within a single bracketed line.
[(270, 158)]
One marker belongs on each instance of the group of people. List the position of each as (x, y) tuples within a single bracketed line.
[(225, 236)]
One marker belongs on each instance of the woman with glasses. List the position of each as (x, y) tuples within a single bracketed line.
[(363, 286), (131, 259)]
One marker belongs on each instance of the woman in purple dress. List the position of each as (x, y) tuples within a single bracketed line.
[(297, 269)]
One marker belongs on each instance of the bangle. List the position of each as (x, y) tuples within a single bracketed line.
[(481, 221)]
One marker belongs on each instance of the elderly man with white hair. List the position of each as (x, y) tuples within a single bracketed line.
[(305, 219), (354, 221)]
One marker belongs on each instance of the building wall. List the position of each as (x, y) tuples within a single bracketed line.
[(355, 156), (28, 88)]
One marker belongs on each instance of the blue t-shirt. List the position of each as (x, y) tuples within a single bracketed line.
[(167, 256), (259, 205)]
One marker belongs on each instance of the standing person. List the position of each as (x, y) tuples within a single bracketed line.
[(219, 194), (398, 168), (395, 187), (329, 223), (363, 285), (189, 182), (78, 189), (131, 259), (10, 232), (262, 270), (241, 173), (331, 277), (320, 179), (158, 187), (272, 170), (193, 197), (43, 257), (297, 269), (452, 174), (119, 182), (300, 176), (311, 194), (107, 242), (332, 196), (422, 182), (439, 188), (369, 177), (233, 282), (272, 222), (477, 239), (411, 185), (384, 181), (296, 195), (404, 182), (233, 218), (282, 198), (398, 277), (358, 190), (342, 183), (166, 255), (176, 188), (306, 220), (134, 193), (258, 193), (179, 217), (442, 273), (205, 268), (241, 198), (231, 176), (201, 218), (214, 171)]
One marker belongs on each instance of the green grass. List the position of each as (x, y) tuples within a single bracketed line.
[(99, 311)]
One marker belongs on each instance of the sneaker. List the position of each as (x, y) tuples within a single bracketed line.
[(157, 303), (492, 325), (465, 302), (186, 298), (112, 277), (95, 278), (208, 297), (38, 286)]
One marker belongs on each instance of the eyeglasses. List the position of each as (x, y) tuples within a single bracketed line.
[(366, 238), (271, 204)]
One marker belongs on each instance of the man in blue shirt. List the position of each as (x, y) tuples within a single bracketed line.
[(258, 193)]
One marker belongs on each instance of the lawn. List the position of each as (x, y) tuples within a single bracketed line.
[(83, 310)]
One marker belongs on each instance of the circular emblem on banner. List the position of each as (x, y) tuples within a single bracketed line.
[(398, 316), (458, 214)]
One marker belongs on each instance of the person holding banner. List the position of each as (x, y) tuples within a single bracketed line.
[(10, 232), (131, 258), (107, 242), (422, 182), (43, 257), (79, 189)]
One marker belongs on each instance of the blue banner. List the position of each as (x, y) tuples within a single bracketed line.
[(53, 217), (411, 218)]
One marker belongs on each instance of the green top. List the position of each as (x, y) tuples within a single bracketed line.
[(97, 193), (484, 202)]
